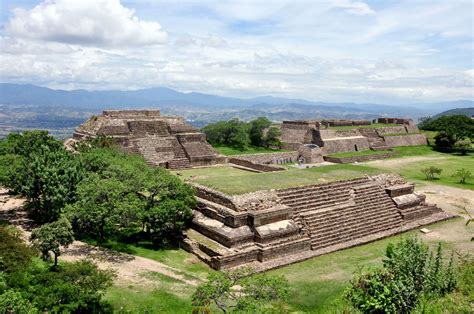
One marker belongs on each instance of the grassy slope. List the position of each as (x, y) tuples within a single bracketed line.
[(230, 151)]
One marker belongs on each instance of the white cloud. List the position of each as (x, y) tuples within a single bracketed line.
[(85, 22), (354, 7)]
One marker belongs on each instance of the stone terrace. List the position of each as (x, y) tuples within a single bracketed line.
[(161, 140), (268, 229)]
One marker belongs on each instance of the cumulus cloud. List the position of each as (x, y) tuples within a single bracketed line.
[(85, 22)]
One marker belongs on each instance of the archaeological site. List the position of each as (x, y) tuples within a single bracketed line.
[(275, 227)]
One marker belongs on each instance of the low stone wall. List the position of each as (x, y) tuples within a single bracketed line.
[(405, 140), (214, 196), (254, 166), (392, 130), (269, 158), (132, 113), (349, 160)]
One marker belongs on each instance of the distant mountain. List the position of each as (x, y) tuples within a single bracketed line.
[(30, 106), (469, 112)]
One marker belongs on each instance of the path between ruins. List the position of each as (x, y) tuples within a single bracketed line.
[(130, 269)]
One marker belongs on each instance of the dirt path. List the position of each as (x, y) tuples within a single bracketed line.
[(394, 163), (130, 269)]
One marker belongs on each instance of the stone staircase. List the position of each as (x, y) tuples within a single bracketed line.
[(342, 211)]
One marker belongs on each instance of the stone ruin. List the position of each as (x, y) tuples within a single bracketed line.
[(268, 229), (360, 138), (166, 141)]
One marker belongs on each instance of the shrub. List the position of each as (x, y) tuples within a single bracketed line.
[(430, 172), (463, 146), (463, 175), (410, 273), (444, 142)]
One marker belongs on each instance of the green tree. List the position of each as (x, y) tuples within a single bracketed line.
[(463, 146), (272, 139), (458, 127), (51, 236), (240, 291), (44, 172), (430, 172), (256, 129), (444, 142), (410, 272), (234, 133), (463, 175)]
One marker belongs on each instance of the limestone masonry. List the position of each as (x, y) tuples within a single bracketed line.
[(268, 229), (161, 140)]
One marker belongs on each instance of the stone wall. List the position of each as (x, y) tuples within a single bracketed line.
[(131, 113), (254, 166), (270, 158), (405, 140), (352, 159), (392, 130), (338, 145)]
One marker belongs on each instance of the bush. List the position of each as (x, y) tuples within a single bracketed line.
[(430, 172), (463, 146), (444, 142), (463, 175), (409, 274)]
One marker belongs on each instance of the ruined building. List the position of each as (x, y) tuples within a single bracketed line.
[(357, 135), (161, 140), (268, 229)]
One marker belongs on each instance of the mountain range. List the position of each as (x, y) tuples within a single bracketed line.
[(31, 106)]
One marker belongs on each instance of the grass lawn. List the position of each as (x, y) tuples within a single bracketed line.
[(316, 285), (410, 166), (233, 181), (372, 126), (231, 151), (360, 153)]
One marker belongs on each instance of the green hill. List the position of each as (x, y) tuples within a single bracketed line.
[(458, 111)]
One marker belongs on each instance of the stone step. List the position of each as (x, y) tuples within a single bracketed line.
[(330, 186), (318, 195), (354, 222), (364, 232), (350, 210)]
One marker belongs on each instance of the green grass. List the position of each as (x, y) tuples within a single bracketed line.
[(231, 151), (317, 285), (371, 126), (448, 162), (361, 153), (239, 181)]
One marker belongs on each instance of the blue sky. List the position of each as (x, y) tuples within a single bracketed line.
[(331, 50)]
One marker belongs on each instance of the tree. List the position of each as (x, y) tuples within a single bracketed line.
[(43, 171), (240, 291), (444, 142), (410, 272), (463, 175), (463, 146), (15, 255), (51, 236), (233, 133), (430, 172), (272, 138), (457, 127), (256, 131)]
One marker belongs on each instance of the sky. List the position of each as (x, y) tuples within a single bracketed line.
[(389, 52)]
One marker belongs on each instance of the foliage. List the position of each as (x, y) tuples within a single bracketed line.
[(240, 135), (51, 236), (15, 255), (410, 273), (27, 287), (122, 195), (272, 138), (256, 131), (457, 127), (241, 291), (234, 133), (44, 172), (463, 175), (444, 142), (430, 172), (463, 146)]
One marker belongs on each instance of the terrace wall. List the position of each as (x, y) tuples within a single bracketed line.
[(269, 158), (254, 166), (405, 140), (352, 159)]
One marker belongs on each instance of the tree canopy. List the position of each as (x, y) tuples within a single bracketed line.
[(458, 127)]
